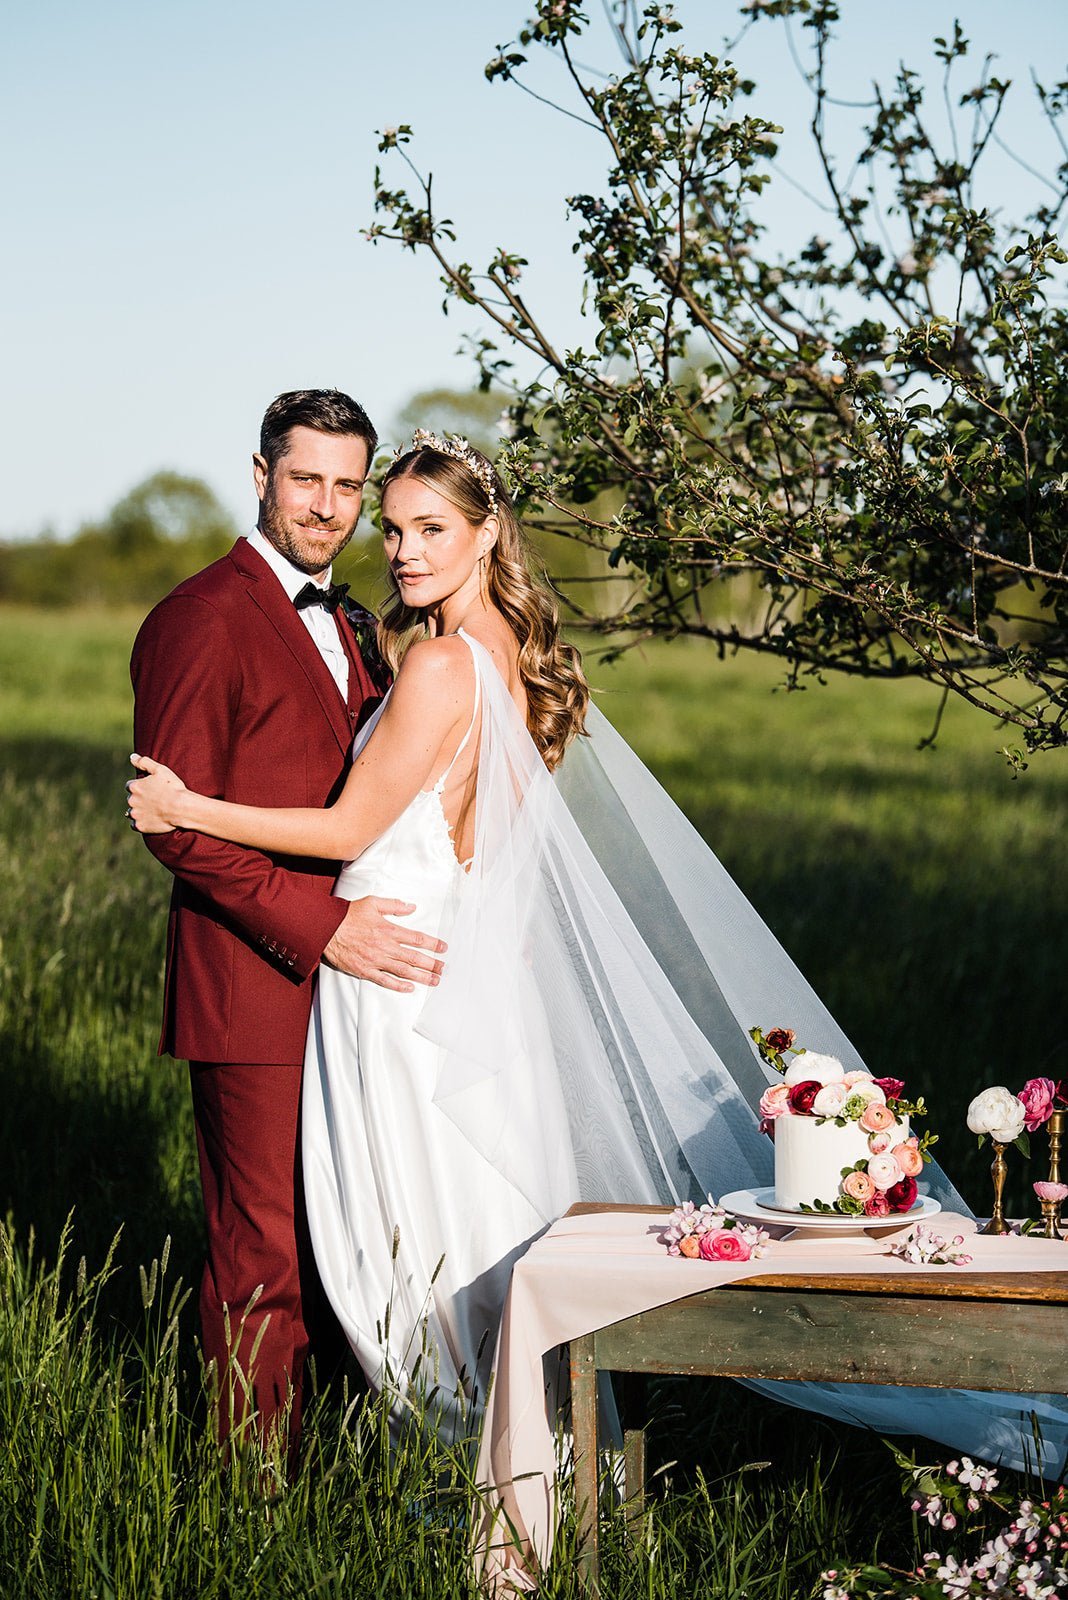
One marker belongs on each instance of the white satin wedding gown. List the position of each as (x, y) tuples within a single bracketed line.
[(589, 1039)]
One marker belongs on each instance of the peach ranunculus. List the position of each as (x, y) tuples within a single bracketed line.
[(884, 1171), (879, 1143), (690, 1245), (858, 1186), (775, 1101), (876, 1117), (830, 1100), (724, 1244), (908, 1157)]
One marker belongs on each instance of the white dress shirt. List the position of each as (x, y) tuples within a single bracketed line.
[(319, 622)]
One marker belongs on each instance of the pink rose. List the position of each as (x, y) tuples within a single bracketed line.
[(878, 1143), (1051, 1191), (690, 1245), (893, 1088), (802, 1096), (775, 1101), (902, 1196), (908, 1157), (1037, 1097), (876, 1117), (858, 1186), (884, 1171), (878, 1205), (724, 1244)]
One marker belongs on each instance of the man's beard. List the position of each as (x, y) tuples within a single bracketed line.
[(289, 536)]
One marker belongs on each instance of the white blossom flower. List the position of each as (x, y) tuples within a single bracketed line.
[(813, 1068), (998, 1113)]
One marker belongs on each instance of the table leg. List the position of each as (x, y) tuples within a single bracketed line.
[(584, 1436), (634, 1478)]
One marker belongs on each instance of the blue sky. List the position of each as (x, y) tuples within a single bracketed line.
[(183, 184)]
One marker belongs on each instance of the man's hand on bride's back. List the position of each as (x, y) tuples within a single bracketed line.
[(369, 945)]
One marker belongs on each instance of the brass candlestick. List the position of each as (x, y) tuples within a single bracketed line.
[(1055, 1129), (1051, 1217), (998, 1168)]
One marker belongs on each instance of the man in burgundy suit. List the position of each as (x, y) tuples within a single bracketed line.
[(248, 680)]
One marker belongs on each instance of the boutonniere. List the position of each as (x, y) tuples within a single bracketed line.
[(364, 628)]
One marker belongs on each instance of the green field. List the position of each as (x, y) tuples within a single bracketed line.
[(923, 892)]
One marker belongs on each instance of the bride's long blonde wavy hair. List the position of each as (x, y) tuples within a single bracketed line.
[(556, 690)]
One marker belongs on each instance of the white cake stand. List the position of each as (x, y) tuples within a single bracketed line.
[(757, 1205)]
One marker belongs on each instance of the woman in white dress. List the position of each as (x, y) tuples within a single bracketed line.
[(589, 1036)]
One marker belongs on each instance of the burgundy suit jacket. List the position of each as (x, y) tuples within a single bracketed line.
[(231, 692)]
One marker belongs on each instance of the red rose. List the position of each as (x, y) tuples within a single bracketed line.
[(878, 1205), (780, 1039), (893, 1088), (802, 1096), (902, 1197)]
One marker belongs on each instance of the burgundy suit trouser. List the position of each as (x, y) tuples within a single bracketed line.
[(247, 1121)]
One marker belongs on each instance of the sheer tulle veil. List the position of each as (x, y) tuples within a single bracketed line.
[(602, 960)]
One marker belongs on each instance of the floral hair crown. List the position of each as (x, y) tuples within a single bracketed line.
[(460, 450)]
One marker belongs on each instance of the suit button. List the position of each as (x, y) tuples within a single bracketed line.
[(292, 961)]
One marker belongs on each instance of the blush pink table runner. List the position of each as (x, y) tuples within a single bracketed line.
[(592, 1270)]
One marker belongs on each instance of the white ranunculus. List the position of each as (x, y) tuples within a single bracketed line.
[(998, 1113), (868, 1090), (830, 1100), (813, 1068)]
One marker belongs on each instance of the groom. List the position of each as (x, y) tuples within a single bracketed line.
[(249, 680)]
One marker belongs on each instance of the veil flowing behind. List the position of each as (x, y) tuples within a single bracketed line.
[(600, 956)]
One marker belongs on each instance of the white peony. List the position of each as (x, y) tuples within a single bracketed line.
[(830, 1100), (998, 1113), (813, 1068), (868, 1090)]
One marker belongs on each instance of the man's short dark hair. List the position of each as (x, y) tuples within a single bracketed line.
[(326, 410)]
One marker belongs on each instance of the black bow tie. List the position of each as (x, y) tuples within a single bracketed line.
[(313, 595)]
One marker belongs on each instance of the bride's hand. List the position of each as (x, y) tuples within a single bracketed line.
[(151, 799)]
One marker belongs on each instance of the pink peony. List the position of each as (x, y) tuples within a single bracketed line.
[(876, 1117), (858, 1186), (775, 1101), (884, 1171), (1037, 1099), (893, 1088), (1051, 1191), (902, 1196), (878, 1205), (802, 1096), (879, 1143), (908, 1157), (724, 1244), (690, 1245)]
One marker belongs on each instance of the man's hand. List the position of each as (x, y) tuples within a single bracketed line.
[(368, 945)]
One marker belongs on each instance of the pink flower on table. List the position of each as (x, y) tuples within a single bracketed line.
[(774, 1102), (902, 1196), (858, 1186), (878, 1205), (893, 1088), (1037, 1097), (908, 1157), (690, 1245), (876, 1117), (884, 1171), (879, 1143), (802, 1096), (1051, 1191), (724, 1244)]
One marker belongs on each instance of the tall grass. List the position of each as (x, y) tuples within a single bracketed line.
[(923, 892)]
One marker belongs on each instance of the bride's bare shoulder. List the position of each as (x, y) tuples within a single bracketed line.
[(436, 674)]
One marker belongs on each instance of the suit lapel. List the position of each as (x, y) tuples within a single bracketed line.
[(267, 594)]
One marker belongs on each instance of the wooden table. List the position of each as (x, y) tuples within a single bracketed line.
[(962, 1330)]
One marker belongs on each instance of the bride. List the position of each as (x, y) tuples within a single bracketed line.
[(589, 1036)]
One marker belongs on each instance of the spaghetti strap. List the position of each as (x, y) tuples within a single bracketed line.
[(440, 784)]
